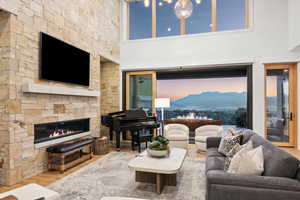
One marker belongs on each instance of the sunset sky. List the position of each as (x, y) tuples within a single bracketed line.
[(179, 88)]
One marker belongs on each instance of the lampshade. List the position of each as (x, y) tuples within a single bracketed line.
[(162, 103)]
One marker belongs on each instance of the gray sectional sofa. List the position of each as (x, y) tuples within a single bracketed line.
[(279, 181)]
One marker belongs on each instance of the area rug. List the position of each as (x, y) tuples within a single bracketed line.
[(110, 176)]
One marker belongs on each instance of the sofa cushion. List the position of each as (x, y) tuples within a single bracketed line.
[(298, 174), (215, 163), (280, 163), (247, 134), (257, 140), (213, 152), (228, 142)]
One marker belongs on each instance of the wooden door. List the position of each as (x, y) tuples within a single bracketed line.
[(281, 104)]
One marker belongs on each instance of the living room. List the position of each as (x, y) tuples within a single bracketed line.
[(67, 68)]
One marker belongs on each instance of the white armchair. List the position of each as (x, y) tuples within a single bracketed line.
[(177, 134), (203, 132)]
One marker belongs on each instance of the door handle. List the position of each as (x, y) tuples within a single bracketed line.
[(291, 116)]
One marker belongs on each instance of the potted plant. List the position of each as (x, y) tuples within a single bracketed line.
[(159, 147)]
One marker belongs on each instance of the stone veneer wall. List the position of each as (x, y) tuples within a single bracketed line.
[(91, 25), (110, 90), (4, 90)]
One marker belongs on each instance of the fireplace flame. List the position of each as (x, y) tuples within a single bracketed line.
[(60, 132)]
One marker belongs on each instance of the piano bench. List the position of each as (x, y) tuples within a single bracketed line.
[(140, 137)]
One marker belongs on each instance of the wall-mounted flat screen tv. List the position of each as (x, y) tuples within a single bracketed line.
[(63, 62)]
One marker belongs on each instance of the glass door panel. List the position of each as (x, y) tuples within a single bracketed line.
[(141, 91), (280, 105)]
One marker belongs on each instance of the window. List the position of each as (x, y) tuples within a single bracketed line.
[(230, 17), (200, 21), (158, 18), (167, 25), (140, 21), (223, 99)]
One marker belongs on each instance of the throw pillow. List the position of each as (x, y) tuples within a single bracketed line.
[(234, 151), (234, 131), (248, 162), (228, 142)]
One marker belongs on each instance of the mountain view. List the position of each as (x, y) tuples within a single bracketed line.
[(211, 101), (223, 99)]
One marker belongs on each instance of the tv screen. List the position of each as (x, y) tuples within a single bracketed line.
[(63, 62)]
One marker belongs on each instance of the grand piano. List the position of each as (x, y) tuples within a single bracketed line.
[(128, 120)]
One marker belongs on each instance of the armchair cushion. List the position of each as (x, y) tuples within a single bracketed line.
[(177, 136), (171, 127), (201, 138), (208, 130)]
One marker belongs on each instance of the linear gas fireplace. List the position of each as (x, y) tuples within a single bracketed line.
[(52, 131)]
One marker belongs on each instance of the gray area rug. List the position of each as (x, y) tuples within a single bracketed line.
[(110, 176)]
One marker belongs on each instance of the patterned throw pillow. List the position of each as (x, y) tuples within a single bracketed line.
[(234, 131), (248, 162), (231, 132), (228, 142)]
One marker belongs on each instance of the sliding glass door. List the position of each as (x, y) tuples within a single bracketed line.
[(141, 91), (281, 104)]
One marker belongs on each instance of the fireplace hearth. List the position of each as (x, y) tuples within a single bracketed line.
[(50, 131)]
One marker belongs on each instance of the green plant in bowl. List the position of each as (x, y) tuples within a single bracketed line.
[(159, 143), (159, 147)]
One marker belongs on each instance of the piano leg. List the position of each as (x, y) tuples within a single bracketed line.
[(132, 140), (118, 138), (124, 135), (111, 134), (139, 143)]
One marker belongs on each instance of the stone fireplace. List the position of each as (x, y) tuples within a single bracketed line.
[(26, 102), (54, 132)]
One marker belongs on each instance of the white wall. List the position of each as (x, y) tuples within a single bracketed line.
[(267, 41), (294, 27), (258, 98)]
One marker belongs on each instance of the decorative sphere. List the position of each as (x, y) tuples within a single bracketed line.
[(183, 9)]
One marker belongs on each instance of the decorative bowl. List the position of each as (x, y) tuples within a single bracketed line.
[(158, 153)]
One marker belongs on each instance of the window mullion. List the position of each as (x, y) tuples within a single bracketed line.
[(247, 14), (182, 26), (153, 18), (214, 15)]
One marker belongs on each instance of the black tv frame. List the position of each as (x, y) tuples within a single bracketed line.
[(41, 61)]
